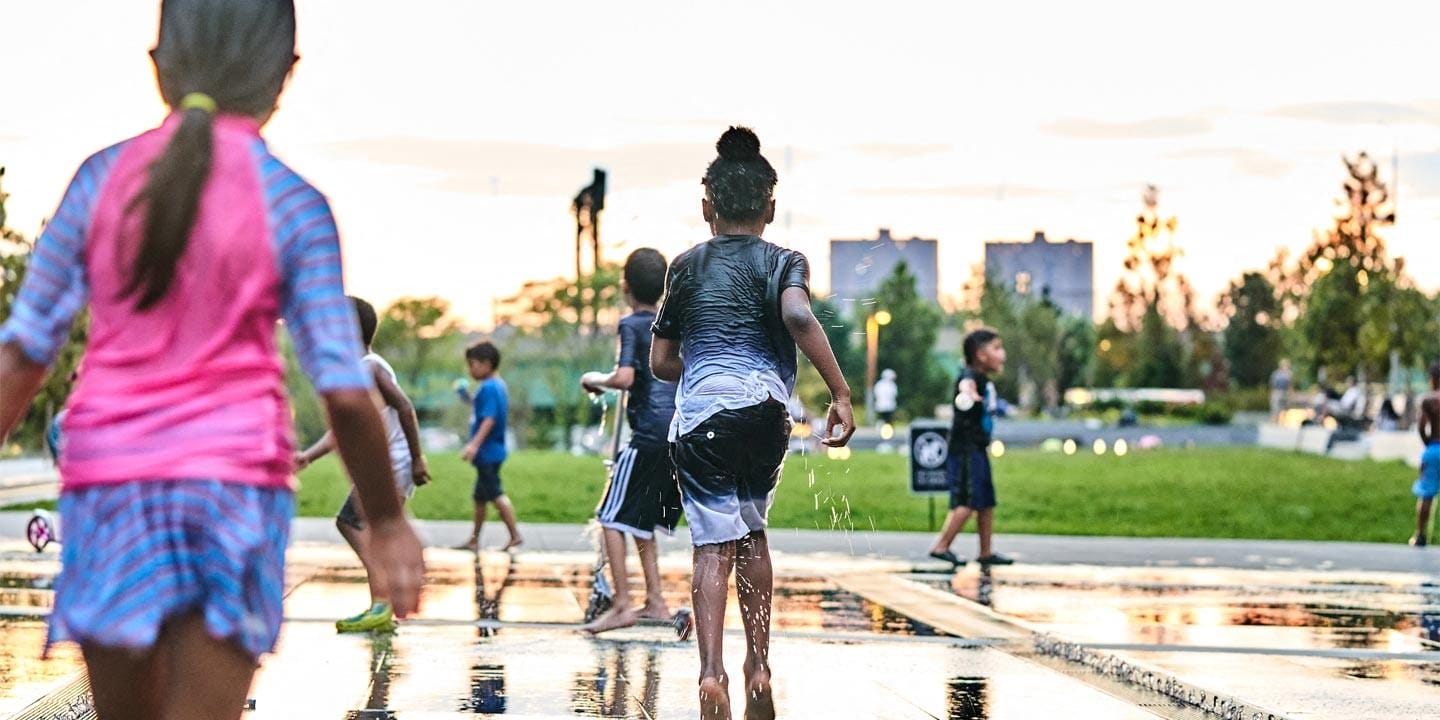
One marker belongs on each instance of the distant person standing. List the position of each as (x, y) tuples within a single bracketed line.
[(1428, 484), (886, 396), (1281, 381)]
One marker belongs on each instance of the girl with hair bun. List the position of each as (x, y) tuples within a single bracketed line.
[(736, 307)]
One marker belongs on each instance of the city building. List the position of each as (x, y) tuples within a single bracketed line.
[(1063, 270), (857, 267)]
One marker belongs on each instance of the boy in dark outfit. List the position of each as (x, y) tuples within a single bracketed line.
[(972, 489)]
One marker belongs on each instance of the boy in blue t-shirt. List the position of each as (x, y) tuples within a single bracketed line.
[(486, 449)]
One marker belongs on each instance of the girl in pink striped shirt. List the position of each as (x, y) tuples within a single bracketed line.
[(188, 243)]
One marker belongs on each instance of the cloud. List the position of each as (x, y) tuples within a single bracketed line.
[(1165, 127), (1357, 113), (511, 168), (1245, 160), (901, 151), (984, 192)]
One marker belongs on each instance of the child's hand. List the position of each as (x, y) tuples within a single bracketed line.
[(301, 462), (469, 452), (841, 417), (590, 382), (420, 472), (396, 551)]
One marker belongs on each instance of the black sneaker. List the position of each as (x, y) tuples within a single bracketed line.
[(995, 559), (949, 557), (1417, 541)]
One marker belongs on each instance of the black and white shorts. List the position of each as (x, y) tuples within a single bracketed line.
[(642, 495), (729, 467)]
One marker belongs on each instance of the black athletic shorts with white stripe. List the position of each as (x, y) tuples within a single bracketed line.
[(642, 495)]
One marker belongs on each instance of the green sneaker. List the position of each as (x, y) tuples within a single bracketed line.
[(379, 618)]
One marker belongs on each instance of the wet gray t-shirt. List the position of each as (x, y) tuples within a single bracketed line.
[(722, 303)]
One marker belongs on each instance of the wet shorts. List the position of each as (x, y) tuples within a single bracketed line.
[(1428, 485), (487, 483), (729, 467), (139, 554), (971, 484), (350, 511), (642, 495)]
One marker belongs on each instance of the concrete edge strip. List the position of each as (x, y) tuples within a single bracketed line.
[(1149, 688)]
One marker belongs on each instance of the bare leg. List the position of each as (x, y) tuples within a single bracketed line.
[(621, 613), (1422, 521), (655, 607), (754, 584), (954, 523), (125, 686), (985, 527), (207, 679), (709, 591), (507, 514), (360, 542), (473, 544)]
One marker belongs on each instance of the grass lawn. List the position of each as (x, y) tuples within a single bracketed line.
[(1226, 493)]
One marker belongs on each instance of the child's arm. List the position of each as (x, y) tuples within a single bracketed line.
[(810, 337), (481, 433), (623, 376), (967, 394), (1427, 430), (20, 379), (322, 447), (409, 424), (665, 363)]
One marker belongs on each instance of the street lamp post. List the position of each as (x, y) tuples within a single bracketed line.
[(873, 322)]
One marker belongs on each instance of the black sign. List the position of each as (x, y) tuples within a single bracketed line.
[(929, 453)]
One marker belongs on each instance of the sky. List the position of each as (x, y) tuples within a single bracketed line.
[(450, 135)]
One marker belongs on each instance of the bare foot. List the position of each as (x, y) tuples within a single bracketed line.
[(759, 704), (515, 542), (656, 611), (473, 545), (714, 699), (613, 619)]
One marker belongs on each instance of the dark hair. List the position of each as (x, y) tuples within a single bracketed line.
[(645, 274), (977, 340), (484, 351), (365, 315), (239, 54), (1435, 373), (741, 182)]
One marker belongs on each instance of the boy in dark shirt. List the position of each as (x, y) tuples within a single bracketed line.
[(972, 489), (642, 495)]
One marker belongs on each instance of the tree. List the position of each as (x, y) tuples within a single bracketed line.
[(1150, 280), (15, 253), (1325, 289), (1253, 342), (907, 344), (417, 336), (1161, 357), (1077, 353)]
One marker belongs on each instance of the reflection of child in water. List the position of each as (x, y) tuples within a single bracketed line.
[(487, 690)]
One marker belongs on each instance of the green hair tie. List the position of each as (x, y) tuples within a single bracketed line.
[(199, 101)]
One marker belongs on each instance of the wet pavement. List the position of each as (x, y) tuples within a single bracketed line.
[(854, 638)]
